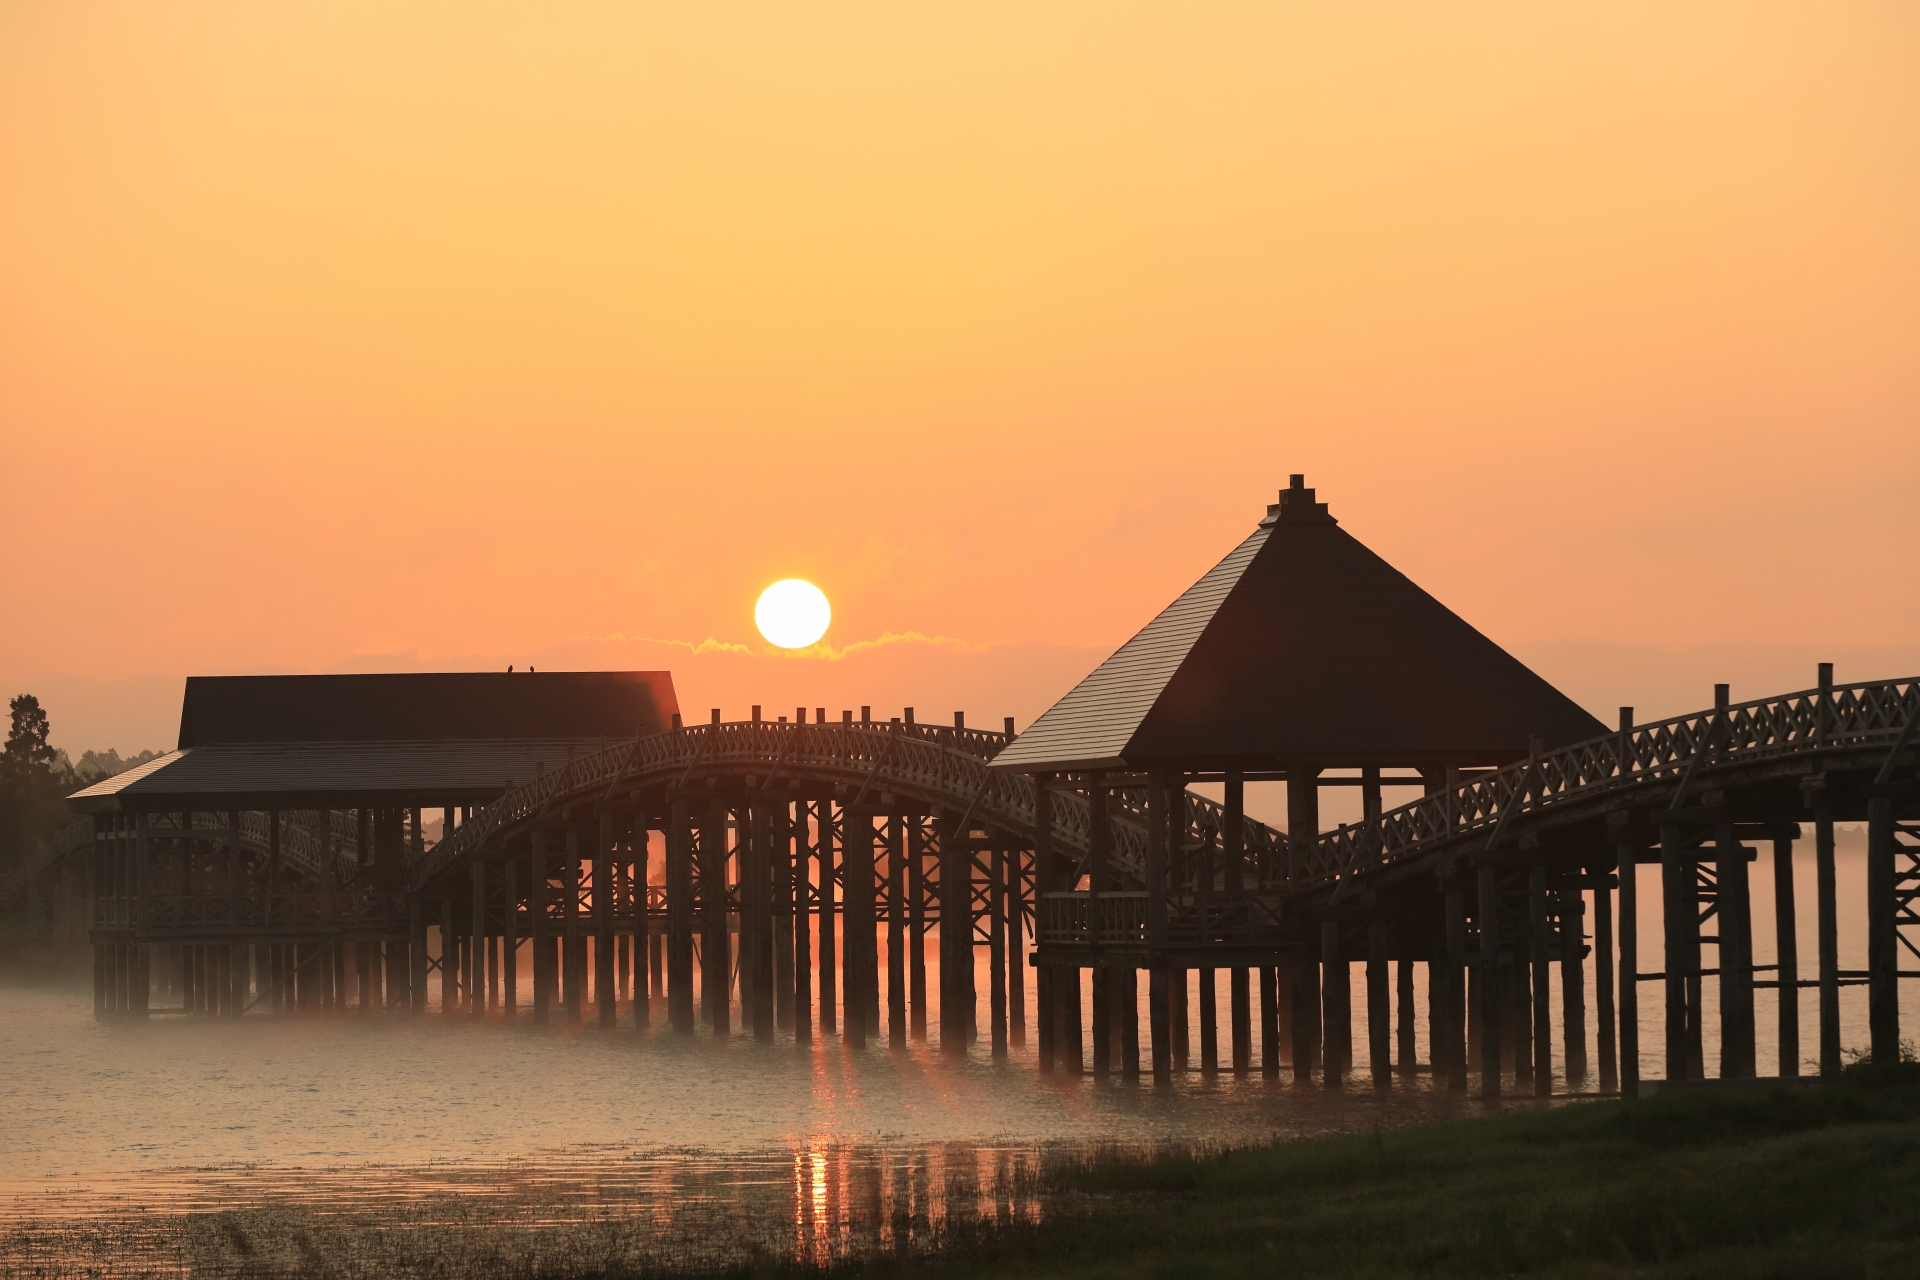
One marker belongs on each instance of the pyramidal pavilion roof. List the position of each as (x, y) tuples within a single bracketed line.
[(1301, 647)]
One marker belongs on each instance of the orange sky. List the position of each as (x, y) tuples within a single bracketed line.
[(345, 335)]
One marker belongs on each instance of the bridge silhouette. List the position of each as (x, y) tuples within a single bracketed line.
[(704, 870)]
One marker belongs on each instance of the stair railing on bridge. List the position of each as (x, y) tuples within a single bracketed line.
[(1851, 716)]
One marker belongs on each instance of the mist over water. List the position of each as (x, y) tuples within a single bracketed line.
[(418, 1141)]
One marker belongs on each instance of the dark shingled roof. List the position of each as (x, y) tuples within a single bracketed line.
[(412, 739), (417, 707), (1302, 647)]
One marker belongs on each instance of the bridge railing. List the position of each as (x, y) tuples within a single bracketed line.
[(1662, 752)]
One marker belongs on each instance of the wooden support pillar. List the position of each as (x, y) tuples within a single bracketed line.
[(1240, 1002), (1487, 980), (1180, 1018), (1883, 936), (897, 1015), (804, 900), (574, 940), (1627, 855), (716, 941), (1159, 1028), (1070, 1036), (780, 817), (1737, 1051), (1540, 980), (1603, 987), (1045, 981), (1406, 1035), (859, 932), (679, 882), (1336, 1002), (1125, 986), (645, 942), (1679, 916), (917, 931), (1103, 1036), (449, 960), (477, 948), (997, 948), (756, 923), (1787, 949), (1306, 1015), (1379, 1008), (538, 899), (605, 991), (1017, 908), (1270, 1028), (1454, 987), (1827, 907), (1571, 916), (1209, 1025), (829, 905)]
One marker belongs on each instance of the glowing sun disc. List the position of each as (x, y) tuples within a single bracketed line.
[(792, 613)]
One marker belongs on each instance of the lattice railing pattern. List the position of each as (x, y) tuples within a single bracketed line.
[(930, 763), (1659, 754)]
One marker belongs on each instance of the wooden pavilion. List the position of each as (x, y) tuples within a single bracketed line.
[(1301, 657)]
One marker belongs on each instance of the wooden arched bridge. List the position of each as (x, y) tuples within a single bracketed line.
[(281, 857)]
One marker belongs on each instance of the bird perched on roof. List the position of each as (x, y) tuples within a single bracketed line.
[(509, 668)]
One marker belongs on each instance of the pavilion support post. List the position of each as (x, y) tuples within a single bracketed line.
[(1209, 1025), (1627, 856), (1406, 1032), (803, 905), (1336, 1006), (416, 956), (679, 884), (996, 949), (1269, 1022), (1737, 1051), (897, 1015), (1539, 939), (917, 931), (1127, 1013), (1605, 1015), (829, 905), (1487, 979), (605, 992), (1883, 937), (1678, 912), (1787, 949), (1827, 907), (1379, 1007)]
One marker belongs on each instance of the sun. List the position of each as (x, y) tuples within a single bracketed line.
[(792, 613)]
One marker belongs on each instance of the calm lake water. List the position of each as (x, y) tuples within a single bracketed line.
[(435, 1146)]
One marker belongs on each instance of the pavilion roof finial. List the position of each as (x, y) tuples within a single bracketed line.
[(1296, 503)]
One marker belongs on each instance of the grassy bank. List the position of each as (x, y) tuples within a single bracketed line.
[(1810, 1182)]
